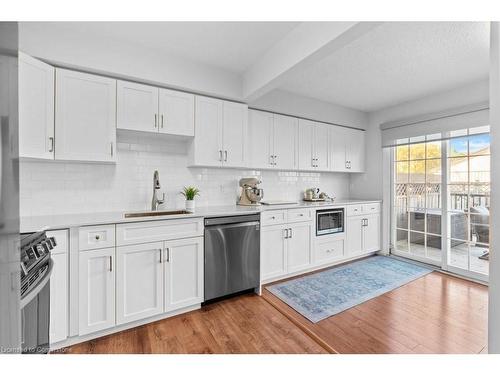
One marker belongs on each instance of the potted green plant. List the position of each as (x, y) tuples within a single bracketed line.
[(190, 192)]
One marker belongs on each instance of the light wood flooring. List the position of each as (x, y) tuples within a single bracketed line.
[(434, 314)]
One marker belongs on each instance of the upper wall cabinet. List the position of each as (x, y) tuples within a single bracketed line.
[(36, 108), (85, 117), (347, 149), (176, 111), (220, 131), (156, 110), (272, 140), (313, 150), (137, 107)]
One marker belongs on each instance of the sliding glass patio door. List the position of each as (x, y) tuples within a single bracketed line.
[(441, 199)]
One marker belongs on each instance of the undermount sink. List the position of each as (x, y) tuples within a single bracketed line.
[(156, 213)]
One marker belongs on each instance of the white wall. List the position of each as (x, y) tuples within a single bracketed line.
[(370, 184), (296, 105), (494, 280), (94, 53), (64, 187)]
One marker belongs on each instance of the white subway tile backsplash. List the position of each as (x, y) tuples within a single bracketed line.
[(64, 187)]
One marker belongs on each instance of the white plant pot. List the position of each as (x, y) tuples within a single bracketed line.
[(190, 205)]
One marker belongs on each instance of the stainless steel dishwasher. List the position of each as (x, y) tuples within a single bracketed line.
[(232, 255)]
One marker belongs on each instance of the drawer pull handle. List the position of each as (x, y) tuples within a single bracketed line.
[(97, 237), (110, 264), (273, 217)]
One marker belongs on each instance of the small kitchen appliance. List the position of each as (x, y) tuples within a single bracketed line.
[(251, 194), (329, 221)]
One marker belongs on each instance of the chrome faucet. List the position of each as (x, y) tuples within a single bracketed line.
[(156, 186)]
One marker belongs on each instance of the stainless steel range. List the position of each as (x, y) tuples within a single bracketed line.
[(36, 267)]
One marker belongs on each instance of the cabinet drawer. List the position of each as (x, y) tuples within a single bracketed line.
[(151, 231), (327, 251), (61, 237), (371, 208), (298, 215), (273, 217), (354, 209), (96, 237)]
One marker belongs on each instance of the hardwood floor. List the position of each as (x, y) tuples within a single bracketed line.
[(244, 324), (433, 314)]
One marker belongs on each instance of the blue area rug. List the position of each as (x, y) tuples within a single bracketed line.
[(327, 293)]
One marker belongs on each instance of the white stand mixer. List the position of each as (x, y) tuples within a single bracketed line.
[(251, 195)]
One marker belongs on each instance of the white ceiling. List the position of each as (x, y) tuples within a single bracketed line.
[(233, 46), (397, 62)]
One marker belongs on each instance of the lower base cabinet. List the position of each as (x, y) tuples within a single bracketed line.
[(285, 249), (184, 263), (96, 290), (363, 234), (139, 281)]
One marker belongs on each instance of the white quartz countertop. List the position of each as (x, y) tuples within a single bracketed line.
[(50, 222)]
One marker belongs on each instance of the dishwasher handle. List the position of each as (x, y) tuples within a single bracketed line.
[(236, 225), (237, 219)]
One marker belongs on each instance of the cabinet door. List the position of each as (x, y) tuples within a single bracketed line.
[(36, 108), (136, 107), (85, 116), (337, 150), (354, 236), (272, 251), (176, 113), (356, 150), (139, 281), (285, 142), (305, 145), (299, 246), (234, 133), (321, 149), (371, 233), (96, 297), (208, 132), (59, 298), (260, 130), (59, 287), (184, 263)]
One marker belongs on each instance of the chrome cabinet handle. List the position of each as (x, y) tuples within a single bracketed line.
[(156, 119), (97, 237), (162, 121), (291, 233), (161, 255), (110, 263), (168, 254), (286, 232), (225, 155), (51, 139), (220, 155), (112, 151)]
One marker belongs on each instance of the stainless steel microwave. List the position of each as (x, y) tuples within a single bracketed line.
[(329, 221)]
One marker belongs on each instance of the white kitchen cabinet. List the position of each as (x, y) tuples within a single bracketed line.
[(136, 107), (285, 142), (85, 126), (260, 139), (272, 140), (362, 234), (176, 113), (313, 143), (96, 297), (139, 281), (220, 129), (59, 284), (155, 110), (273, 251), (184, 263), (36, 108), (371, 235), (299, 246), (347, 149), (207, 144), (235, 119)]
